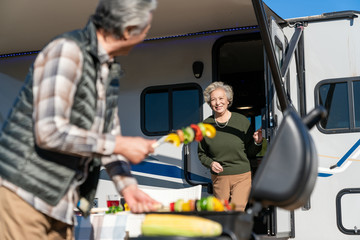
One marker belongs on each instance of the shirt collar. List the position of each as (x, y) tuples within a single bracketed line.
[(103, 55)]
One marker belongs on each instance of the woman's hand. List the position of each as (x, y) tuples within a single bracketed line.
[(216, 167), (258, 138)]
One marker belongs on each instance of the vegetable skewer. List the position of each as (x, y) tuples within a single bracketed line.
[(186, 135)]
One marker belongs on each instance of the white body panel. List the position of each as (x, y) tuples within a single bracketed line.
[(331, 51)]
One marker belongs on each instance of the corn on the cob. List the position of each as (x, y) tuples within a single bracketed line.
[(179, 225)]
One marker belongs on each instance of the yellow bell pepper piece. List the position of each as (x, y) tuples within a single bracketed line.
[(126, 207), (186, 206), (218, 206), (173, 138), (210, 130)]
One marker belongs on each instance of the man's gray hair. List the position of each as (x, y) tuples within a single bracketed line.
[(114, 16), (215, 85)]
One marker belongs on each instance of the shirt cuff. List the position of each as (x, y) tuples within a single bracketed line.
[(121, 168), (122, 182), (106, 144)]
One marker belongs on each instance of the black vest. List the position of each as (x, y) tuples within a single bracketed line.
[(44, 173)]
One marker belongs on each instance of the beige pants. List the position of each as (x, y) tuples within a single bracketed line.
[(235, 187), (20, 221)]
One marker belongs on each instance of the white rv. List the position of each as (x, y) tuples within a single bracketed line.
[(272, 64)]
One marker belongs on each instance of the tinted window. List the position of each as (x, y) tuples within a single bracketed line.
[(170, 107), (156, 114), (186, 108), (334, 97), (279, 51), (341, 98), (357, 103)]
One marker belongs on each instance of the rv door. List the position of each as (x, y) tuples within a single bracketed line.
[(284, 223), (281, 222), (278, 40), (262, 20), (274, 110)]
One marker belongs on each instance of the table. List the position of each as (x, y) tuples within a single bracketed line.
[(108, 226), (126, 224)]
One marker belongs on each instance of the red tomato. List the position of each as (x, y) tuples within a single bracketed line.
[(172, 207), (198, 133)]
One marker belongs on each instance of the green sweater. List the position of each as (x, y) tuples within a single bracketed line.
[(232, 146)]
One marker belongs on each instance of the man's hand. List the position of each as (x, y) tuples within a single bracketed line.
[(137, 200), (134, 149)]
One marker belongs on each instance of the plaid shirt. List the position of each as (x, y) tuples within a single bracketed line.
[(57, 71)]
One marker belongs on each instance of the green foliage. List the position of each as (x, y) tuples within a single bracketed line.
[(114, 209)]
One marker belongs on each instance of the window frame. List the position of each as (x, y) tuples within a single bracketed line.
[(170, 88), (339, 212), (351, 99)]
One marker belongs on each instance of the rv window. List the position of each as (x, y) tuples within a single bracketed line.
[(346, 205), (279, 51), (335, 99), (356, 93), (170, 107), (339, 96)]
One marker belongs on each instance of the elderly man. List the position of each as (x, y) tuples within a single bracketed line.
[(64, 125)]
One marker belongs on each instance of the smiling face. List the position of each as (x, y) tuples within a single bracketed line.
[(219, 101)]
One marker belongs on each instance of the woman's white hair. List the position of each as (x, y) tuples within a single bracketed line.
[(114, 16), (215, 85)]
